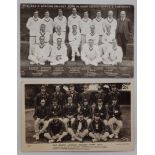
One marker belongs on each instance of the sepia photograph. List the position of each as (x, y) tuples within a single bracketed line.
[(76, 40), (77, 117)]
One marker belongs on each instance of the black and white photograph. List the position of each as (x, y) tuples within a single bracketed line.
[(77, 117), (76, 40)]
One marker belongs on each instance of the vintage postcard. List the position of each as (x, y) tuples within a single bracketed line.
[(76, 40), (80, 116)]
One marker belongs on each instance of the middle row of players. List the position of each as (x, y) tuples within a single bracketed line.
[(91, 52)]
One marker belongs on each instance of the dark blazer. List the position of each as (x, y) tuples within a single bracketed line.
[(76, 123), (97, 127), (41, 96), (114, 111), (75, 96), (102, 112), (56, 127), (126, 27), (41, 112), (55, 110), (86, 110), (69, 110), (60, 97)]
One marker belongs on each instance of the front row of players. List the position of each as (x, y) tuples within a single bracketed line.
[(92, 53), (97, 122)]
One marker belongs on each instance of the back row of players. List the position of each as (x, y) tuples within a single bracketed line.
[(78, 115), (95, 38)]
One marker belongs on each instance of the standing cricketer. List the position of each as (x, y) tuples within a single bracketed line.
[(33, 25)]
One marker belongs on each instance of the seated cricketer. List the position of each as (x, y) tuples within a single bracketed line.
[(55, 131), (115, 122), (53, 112), (98, 130), (111, 53), (58, 53), (79, 128), (90, 53), (75, 40), (116, 53), (40, 116)]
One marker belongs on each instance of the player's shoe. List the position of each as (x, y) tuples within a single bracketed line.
[(73, 59), (32, 63), (59, 140), (105, 139), (94, 140), (51, 141), (42, 63), (111, 136), (36, 137), (79, 139), (116, 136), (73, 139)]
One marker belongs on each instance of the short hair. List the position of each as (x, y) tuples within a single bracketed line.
[(47, 11), (74, 26), (59, 9), (57, 40), (74, 8), (123, 12), (111, 11), (85, 11), (98, 11), (36, 11)]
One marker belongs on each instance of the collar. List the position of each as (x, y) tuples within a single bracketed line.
[(35, 19), (47, 19), (98, 19), (110, 20), (74, 16), (74, 33), (42, 33), (85, 19), (92, 34), (59, 18), (41, 46)]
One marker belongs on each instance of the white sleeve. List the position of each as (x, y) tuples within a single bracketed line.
[(54, 22), (52, 25), (69, 21), (70, 37), (28, 24), (65, 21), (80, 22), (104, 25)]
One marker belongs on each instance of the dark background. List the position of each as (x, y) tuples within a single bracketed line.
[(32, 89)]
